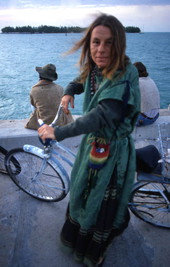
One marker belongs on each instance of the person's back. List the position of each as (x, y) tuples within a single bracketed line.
[(45, 97), (150, 98)]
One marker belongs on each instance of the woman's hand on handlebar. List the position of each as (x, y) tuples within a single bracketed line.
[(46, 131), (65, 101)]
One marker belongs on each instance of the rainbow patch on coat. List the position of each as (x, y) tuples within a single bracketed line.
[(98, 155)]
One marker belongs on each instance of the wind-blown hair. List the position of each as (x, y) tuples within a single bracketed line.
[(118, 61)]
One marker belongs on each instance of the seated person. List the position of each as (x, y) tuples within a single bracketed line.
[(150, 98), (45, 97)]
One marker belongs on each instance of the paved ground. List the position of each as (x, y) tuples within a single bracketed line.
[(29, 234)]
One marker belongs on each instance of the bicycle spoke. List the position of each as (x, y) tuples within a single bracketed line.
[(36, 176), (150, 202)]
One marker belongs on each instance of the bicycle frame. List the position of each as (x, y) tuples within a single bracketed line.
[(150, 177), (157, 179)]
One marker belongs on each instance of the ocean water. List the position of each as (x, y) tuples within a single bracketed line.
[(21, 53)]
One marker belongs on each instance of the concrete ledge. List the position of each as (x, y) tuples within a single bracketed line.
[(15, 128), (14, 134), (165, 112), (151, 131)]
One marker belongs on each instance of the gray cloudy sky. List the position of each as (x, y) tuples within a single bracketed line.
[(150, 15)]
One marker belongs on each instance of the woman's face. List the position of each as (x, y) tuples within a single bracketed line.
[(101, 45)]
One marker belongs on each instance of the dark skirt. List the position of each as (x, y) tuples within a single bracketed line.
[(89, 246)]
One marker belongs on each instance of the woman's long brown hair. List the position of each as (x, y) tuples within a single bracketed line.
[(119, 59)]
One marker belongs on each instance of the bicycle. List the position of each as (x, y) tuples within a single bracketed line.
[(150, 196), (3, 153), (42, 174)]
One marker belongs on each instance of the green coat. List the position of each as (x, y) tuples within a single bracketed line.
[(122, 153)]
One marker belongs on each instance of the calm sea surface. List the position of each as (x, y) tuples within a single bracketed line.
[(21, 53)]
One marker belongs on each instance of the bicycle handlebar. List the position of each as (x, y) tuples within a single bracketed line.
[(48, 140), (60, 110), (55, 119)]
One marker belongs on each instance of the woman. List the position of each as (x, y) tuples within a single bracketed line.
[(104, 169), (150, 98)]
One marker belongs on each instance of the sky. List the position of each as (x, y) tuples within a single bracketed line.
[(148, 15)]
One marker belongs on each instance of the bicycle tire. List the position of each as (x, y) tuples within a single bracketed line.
[(150, 201), (36, 176), (3, 153)]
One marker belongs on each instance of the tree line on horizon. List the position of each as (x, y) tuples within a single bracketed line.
[(53, 29)]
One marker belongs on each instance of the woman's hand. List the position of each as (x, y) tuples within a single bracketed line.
[(46, 131), (65, 101)]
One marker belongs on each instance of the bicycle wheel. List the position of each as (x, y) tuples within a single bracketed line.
[(35, 175), (151, 203), (3, 153)]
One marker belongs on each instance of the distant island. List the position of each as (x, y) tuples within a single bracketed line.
[(53, 29), (132, 29)]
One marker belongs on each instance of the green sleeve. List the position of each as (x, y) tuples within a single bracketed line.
[(74, 88), (108, 113)]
